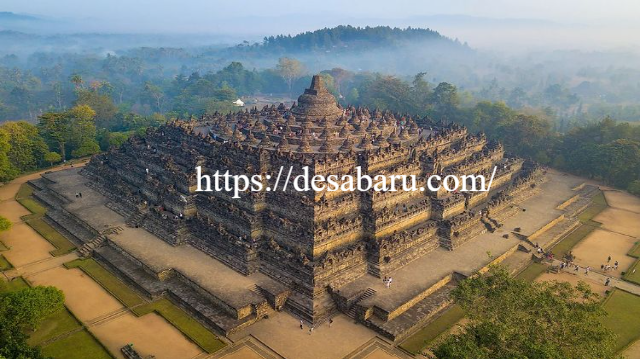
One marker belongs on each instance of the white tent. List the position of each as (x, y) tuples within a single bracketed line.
[(238, 103)]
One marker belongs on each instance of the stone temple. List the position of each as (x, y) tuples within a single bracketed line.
[(231, 262)]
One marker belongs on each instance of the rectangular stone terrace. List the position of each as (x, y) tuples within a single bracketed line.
[(130, 249), (228, 300)]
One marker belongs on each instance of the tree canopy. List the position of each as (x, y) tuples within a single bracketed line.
[(512, 318), (22, 311)]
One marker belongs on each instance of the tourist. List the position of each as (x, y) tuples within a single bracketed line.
[(389, 285), (615, 265), (576, 268), (602, 267), (330, 322), (609, 259), (384, 280), (301, 325), (606, 282), (586, 270), (311, 330)]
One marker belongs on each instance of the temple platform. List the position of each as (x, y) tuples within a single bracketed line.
[(228, 301), (220, 296)]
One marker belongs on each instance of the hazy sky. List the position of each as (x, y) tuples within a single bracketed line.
[(589, 22), (202, 10)]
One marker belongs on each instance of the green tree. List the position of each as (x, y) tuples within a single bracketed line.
[(445, 102), (7, 171), (634, 187), (512, 318), (21, 311), (52, 157), (83, 134), (77, 81), (289, 70), (102, 104), (56, 128), (27, 146)]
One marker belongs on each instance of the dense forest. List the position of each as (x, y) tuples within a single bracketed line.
[(575, 87), (64, 105), (341, 37)]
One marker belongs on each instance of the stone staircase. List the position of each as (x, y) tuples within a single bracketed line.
[(87, 249), (135, 220), (368, 293), (79, 231)]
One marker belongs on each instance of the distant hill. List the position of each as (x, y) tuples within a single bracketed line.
[(345, 37), (10, 16)]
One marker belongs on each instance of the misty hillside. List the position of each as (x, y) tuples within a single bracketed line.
[(350, 38)]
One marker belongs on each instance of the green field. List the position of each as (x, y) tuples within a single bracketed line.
[(15, 284), (62, 244), (532, 271), (24, 191), (54, 326), (79, 345), (623, 311), (184, 323), (633, 273), (25, 198), (599, 203), (421, 339)]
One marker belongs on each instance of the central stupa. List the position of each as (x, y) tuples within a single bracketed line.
[(317, 102)]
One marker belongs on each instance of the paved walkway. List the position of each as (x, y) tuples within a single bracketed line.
[(601, 278), (39, 266)]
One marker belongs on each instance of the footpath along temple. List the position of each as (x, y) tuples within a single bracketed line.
[(313, 254)]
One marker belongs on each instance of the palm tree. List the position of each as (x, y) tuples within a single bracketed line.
[(77, 80)]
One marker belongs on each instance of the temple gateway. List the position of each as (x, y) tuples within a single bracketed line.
[(231, 262)]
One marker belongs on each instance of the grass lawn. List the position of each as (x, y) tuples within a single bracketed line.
[(108, 281), (53, 326), (532, 271), (62, 244), (630, 275), (623, 311), (421, 339), (599, 203), (4, 264), (184, 323), (80, 345), (15, 284), (635, 251), (24, 191)]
